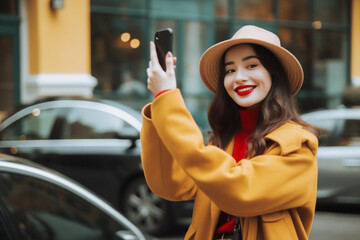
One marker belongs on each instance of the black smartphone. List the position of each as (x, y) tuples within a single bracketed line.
[(164, 44)]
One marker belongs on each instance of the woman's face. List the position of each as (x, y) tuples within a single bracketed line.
[(246, 80)]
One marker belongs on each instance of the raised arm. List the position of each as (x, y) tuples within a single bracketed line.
[(163, 174), (284, 177)]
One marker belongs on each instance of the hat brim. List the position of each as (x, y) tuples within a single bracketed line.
[(210, 63)]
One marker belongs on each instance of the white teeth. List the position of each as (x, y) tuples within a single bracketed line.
[(245, 89)]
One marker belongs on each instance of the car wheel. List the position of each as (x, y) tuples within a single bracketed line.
[(145, 209)]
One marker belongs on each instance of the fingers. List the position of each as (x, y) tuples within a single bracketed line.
[(153, 55), (158, 79), (149, 72), (169, 63)]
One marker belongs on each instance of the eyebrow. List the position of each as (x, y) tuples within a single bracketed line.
[(249, 57), (244, 59)]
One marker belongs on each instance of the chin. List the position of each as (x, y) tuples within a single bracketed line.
[(249, 105)]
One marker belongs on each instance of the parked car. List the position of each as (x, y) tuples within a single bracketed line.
[(96, 143), (38, 203), (338, 154)]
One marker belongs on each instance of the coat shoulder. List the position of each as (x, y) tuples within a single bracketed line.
[(290, 136)]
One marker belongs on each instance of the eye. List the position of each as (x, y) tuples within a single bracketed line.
[(252, 66), (229, 71)]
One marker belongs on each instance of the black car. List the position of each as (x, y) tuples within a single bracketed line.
[(95, 142), (40, 204)]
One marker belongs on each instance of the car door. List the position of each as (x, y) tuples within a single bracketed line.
[(339, 159), (98, 149), (327, 165), (348, 155), (39, 207)]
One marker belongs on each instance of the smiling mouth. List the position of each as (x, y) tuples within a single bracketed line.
[(242, 90)]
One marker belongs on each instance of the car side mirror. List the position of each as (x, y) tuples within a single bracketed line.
[(132, 138)]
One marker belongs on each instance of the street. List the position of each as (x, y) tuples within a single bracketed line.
[(327, 226), (331, 226)]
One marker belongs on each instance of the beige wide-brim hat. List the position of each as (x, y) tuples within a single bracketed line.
[(210, 61)]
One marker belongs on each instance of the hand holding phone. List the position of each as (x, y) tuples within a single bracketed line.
[(159, 81), (164, 44)]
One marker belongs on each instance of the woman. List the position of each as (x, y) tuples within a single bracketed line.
[(260, 166)]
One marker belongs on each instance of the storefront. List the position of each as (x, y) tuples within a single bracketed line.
[(100, 47), (316, 31)]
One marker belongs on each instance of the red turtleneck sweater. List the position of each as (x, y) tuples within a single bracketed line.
[(249, 119)]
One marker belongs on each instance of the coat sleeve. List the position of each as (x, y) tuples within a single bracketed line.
[(284, 177), (163, 174)]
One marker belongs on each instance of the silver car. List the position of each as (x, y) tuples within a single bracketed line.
[(338, 155), (38, 203)]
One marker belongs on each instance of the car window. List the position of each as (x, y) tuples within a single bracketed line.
[(34, 126), (4, 232), (327, 128), (43, 211), (93, 124), (351, 133)]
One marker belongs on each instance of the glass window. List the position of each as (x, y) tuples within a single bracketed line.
[(329, 45), (254, 9), (181, 8), (35, 126), (221, 8), (45, 211), (118, 49), (221, 31), (351, 133), (196, 93), (4, 231), (298, 42), (92, 124), (195, 45), (330, 11), (135, 4), (294, 10), (9, 7), (329, 67), (6, 73)]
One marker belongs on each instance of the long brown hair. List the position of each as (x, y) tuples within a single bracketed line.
[(278, 107)]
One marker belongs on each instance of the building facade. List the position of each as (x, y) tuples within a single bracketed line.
[(100, 47)]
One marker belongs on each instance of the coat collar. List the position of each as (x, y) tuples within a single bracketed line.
[(288, 136)]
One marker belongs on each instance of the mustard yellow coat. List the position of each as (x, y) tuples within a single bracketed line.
[(274, 193)]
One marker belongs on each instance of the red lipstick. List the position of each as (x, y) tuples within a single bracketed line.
[(244, 90)]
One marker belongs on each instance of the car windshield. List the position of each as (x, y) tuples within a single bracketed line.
[(42, 211)]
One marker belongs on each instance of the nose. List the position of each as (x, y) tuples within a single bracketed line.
[(241, 76)]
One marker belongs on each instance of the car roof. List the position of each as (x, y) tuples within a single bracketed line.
[(16, 165), (133, 117), (114, 103), (340, 113)]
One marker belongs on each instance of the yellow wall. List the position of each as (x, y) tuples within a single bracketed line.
[(59, 40), (355, 39)]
